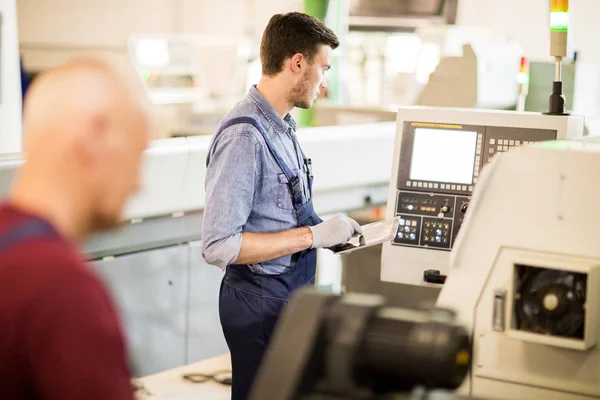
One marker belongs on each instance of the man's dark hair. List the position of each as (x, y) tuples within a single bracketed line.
[(291, 33)]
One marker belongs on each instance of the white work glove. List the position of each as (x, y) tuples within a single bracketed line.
[(335, 231)]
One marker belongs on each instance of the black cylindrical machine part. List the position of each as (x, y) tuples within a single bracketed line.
[(400, 354), (557, 100)]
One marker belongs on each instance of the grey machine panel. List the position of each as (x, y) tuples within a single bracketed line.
[(147, 234), (150, 289), (205, 334)]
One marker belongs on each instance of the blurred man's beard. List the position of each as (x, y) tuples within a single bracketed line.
[(100, 222)]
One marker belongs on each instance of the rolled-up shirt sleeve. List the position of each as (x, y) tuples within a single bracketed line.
[(230, 181)]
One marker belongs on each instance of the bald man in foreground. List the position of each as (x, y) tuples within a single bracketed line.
[(85, 131)]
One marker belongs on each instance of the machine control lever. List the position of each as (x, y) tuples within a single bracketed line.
[(443, 210), (434, 276), (464, 207)]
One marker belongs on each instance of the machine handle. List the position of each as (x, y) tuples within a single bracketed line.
[(434, 276)]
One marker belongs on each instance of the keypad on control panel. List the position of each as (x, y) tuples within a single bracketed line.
[(436, 233), (408, 230), (503, 145)]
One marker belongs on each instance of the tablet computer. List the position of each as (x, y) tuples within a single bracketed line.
[(373, 234)]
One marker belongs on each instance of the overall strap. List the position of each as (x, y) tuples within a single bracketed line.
[(24, 231), (294, 180)]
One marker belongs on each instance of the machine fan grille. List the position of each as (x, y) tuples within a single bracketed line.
[(550, 302)]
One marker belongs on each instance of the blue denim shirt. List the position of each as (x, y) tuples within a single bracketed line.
[(246, 190)]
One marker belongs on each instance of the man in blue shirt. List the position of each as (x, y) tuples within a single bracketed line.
[(259, 221)]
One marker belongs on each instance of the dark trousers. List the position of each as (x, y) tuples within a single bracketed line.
[(248, 321)]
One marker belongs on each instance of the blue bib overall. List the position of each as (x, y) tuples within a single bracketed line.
[(249, 302)]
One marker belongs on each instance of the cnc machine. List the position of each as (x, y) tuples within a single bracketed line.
[(439, 154), (524, 275)]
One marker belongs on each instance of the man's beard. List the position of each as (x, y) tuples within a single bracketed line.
[(301, 94)]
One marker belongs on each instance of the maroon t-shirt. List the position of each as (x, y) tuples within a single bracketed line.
[(60, 337)]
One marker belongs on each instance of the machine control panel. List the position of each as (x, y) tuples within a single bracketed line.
[(438, 168), (429, 220)]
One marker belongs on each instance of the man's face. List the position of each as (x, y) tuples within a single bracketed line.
[(312, 80), (121, 166)]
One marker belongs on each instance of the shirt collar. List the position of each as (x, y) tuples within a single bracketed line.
[(280, 125)]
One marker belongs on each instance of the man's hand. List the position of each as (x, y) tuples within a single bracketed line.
[(335, 231)]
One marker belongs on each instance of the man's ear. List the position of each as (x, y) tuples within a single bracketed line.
[(297, 62), (91, 141)]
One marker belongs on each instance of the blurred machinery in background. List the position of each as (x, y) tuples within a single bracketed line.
[(437, 65), (385, 15), (189, 91)]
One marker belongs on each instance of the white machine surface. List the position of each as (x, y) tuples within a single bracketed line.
[(10, 82), (174, 170), (525, 274), (438, 156)]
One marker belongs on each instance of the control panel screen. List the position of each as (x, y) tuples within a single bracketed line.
[(441, 155)]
